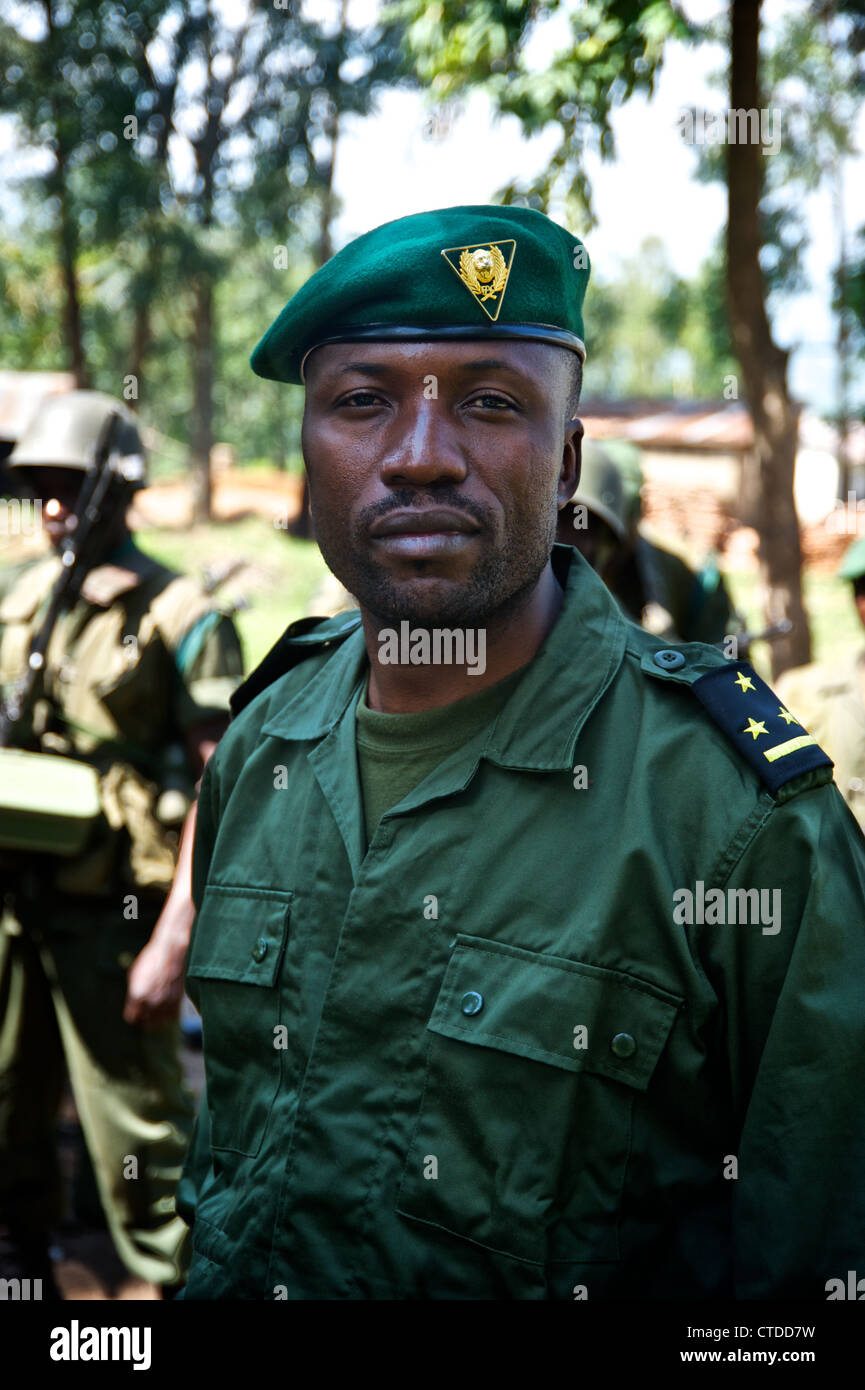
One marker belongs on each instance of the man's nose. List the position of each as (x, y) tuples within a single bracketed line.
[(425, 447)]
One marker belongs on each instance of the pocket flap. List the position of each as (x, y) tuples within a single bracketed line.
[(569, 1015), (240, 934)]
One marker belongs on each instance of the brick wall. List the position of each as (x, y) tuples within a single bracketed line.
[(692, 520)]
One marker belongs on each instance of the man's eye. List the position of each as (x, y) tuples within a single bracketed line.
[(360, 398), (489, 401)]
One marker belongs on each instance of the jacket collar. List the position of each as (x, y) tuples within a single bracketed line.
[(539, 725)]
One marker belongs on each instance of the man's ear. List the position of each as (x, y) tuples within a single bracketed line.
[(572, 458)]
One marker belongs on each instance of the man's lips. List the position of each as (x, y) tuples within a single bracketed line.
[(423, 533), (428, 521)]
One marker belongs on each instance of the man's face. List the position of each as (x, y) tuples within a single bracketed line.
[(436, 471), (58, 489)]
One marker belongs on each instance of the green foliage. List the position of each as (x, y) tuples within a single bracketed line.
[(278, 584), (851, 303), (609, 52), (813, 81), (655, 334), (249, 101), (30, 305)]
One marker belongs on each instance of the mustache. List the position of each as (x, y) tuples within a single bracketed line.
[(408, 499)]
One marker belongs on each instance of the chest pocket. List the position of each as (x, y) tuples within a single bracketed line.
[(233, 971), (523, 1134)]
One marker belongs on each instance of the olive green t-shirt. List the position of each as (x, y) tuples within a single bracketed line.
[(395, 752)]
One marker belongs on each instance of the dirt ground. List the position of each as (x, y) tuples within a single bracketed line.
[(236, 494)]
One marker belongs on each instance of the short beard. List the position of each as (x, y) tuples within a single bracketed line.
[(498, 587)]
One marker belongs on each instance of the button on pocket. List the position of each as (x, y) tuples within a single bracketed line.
[(527, 1101), (237, 949)]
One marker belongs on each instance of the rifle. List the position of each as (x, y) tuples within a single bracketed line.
[(77, 556), (768, 634), (214, 576)]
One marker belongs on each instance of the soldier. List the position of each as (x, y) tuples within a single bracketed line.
[(831, 697), (519, 972), (135, 686), (655, 587)]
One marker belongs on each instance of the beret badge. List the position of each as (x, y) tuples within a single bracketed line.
[(483, 270)]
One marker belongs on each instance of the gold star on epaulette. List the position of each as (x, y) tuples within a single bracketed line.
[(787, 717), (755, 728), (744, 683)]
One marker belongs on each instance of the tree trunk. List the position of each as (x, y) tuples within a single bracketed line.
[(202, 395), (302, 526), (145, 290), (763, 363), (141, 339), (843, 339), (67, 234), (69, 271), (279, 457)]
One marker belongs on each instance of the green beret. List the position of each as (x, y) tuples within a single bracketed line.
[(467, 272), (853, 564)]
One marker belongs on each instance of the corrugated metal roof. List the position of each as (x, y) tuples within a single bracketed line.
[(711, 425)]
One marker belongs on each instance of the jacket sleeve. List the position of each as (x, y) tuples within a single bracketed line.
[(793, 989), (197, 1165)]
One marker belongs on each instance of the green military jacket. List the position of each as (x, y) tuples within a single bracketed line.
[(143, 655), (482, 1058), (831, 701)]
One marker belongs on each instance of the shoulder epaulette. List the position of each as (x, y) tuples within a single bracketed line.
[(303, 638), (766, 734)]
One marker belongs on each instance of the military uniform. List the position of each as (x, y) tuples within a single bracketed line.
[(831, 701), (564, 1017), (141, 656), (830, 697), (419, 1114)]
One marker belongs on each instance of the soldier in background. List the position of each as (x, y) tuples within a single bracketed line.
[(830, 697), (654, 587), (136, 683)]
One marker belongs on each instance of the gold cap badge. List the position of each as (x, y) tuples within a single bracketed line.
[(484, 272)]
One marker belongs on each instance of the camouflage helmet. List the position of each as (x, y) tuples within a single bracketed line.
[(627, 458), (66, 431), (600, 488)]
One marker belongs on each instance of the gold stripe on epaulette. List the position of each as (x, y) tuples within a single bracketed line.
[(791, 746)]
